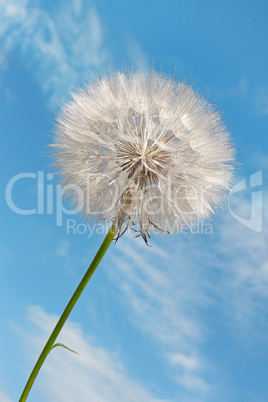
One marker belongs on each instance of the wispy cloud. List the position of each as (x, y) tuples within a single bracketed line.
[(174, 293), (5, 252), (261, 99), (64, 46), (137, 56), (169, 289), (63, 248), (242, 261), (193, 382), (4, 397), (187, 362), (164, 291), (243, 90), (96, 375)]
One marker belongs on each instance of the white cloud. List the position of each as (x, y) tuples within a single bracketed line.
[(5, 252), (259, 160), (63, 47), (137, 55), (257, 97), (96, 375), (187, 362), (63, 249), (243, 283), (261, 99), (169, 289), (2, 62), (165, 299), (240, 89), (4, 397), (173, 293), (193, 383)]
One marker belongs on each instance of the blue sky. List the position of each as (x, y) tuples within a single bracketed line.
[(187, 319)]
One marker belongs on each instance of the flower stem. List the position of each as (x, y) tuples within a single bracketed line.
[(103, 248)]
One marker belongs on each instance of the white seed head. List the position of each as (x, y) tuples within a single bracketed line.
[(146, 148)]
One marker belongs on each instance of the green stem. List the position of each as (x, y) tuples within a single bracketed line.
[(103, 248)]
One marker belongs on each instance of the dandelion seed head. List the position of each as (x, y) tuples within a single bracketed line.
[(145, 147)]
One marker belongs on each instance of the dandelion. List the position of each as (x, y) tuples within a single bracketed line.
[(143, 147), (143, 152)]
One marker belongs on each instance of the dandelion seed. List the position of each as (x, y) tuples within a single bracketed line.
[(144, 150)]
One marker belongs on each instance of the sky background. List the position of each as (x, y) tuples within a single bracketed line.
[(187, 319)]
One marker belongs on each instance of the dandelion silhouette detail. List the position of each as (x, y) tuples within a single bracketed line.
[(143, 150)]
